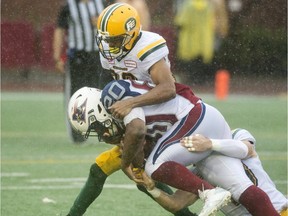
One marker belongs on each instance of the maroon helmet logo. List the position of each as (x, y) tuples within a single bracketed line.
[(79, 112)]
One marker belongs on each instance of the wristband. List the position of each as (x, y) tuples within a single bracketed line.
[(155, 192), (216, 146)]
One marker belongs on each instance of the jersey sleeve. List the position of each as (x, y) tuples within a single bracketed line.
[(136, 113), (153, 51)]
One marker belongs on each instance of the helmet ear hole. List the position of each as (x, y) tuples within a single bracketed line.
[(99, 108)]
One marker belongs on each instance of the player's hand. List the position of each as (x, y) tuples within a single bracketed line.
[(196, 143), (121, 108), (148, 182), (128, 170), (138, 173)]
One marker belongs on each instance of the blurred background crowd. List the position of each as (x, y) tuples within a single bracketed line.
[(248, 38)]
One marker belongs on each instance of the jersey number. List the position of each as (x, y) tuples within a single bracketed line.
[(123, 75), (115, 92)]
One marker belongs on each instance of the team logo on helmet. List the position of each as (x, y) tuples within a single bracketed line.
[(130, 24), (79, 112)]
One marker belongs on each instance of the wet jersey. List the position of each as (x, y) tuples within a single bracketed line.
[(258, 175), (149, 49), (159, 117)]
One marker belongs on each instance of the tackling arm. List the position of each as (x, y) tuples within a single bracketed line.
[(133, 143), (232, 148), (172, 203), (164, 90)]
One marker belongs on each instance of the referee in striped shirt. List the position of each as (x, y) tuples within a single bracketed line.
[(75, 27)]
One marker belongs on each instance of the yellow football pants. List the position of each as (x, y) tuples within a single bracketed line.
[(284, 212), (110, 160)]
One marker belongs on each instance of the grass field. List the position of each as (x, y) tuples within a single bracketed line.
[(38, 161)]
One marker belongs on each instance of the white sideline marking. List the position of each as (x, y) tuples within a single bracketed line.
[(73, 183), (42, 180), (62, 187), (14, 174)]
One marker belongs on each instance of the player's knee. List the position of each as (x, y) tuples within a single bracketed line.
[(110, 160), (96, 171), (238, 190), (150, 168)]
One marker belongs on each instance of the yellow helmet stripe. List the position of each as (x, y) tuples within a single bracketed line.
[(107, 14), (151, 48)]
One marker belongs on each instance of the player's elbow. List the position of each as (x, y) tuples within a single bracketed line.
[(171, 91), (136, 129)]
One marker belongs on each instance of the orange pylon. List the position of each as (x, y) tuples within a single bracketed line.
[(222, 80)]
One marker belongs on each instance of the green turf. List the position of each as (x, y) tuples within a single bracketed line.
[(38, 160)]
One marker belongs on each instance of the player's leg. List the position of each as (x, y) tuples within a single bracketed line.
[(178, 176), (254, 166), (284, 212), (90, 191), (228, 173), (168, 159), (106, 163)]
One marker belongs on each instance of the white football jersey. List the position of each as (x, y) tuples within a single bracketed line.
[(149, 49), (262, 179), (162, 115), (254, 168)]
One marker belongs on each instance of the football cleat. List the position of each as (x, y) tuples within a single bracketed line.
[(214, 200)]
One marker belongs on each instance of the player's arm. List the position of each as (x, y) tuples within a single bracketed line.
[(233, 148), (165, 86), (164, 91), (133, 144), (172, 203)]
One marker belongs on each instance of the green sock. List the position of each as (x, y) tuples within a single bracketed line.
[(168, 190), (91, 190)]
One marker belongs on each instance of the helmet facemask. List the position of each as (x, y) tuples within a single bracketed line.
[(110, 131), (88, 117), (113, 47)]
